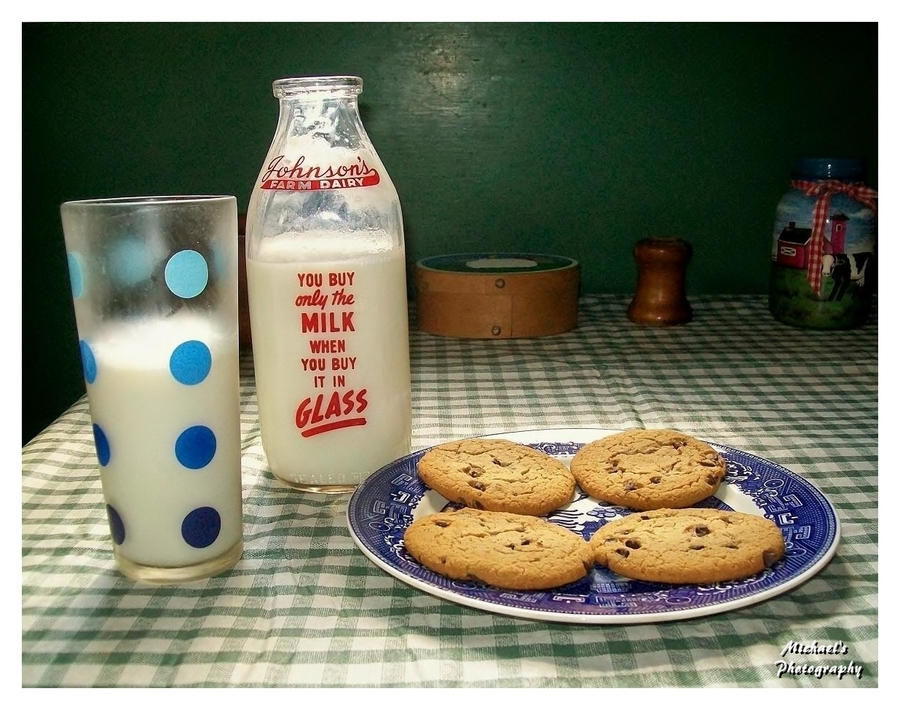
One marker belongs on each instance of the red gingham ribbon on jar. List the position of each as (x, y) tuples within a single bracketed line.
[(824, 189)]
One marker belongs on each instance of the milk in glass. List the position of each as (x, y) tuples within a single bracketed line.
[(171, 505)]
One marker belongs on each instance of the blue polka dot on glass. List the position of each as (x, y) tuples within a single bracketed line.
[(116, 526), (201, 527), (88, 362), (195, 447), (190, 362), (130, 261), (186, 273), (101, 443), (76, 274)]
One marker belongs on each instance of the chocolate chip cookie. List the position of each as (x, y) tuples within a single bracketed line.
[(498, 475), (501, 549), (688, 545), (645, 469)]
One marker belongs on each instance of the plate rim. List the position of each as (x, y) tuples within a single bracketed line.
[(574, 617)]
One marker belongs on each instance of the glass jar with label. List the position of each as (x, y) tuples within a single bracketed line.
[(823, 246), (326, 275)]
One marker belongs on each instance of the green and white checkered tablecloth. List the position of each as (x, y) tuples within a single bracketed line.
[(304, 607)]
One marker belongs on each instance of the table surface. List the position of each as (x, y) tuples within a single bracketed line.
[(304, 607)]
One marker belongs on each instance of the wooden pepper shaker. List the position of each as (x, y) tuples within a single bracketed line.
[(660, 297)]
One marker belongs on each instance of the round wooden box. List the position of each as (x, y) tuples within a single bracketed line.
[(497, 295)]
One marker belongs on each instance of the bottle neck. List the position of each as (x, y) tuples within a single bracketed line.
[(314, 107), (323, 118)]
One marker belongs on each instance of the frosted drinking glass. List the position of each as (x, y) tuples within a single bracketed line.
[(154, 285)]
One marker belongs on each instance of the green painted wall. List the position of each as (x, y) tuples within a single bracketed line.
[(571, 138)]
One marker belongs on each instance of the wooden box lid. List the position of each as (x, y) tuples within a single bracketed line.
[(497, 295)]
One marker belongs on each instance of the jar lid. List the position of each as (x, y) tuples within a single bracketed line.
[(828, 168)]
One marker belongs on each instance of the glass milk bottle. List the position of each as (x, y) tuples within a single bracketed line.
[(326, 278)]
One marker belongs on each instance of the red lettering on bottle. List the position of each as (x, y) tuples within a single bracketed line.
[(327, 322), (301, 418), (311, 420), (348, 402), (281, 174)]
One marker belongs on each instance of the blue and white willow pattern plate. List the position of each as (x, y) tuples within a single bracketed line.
[(388, 501)]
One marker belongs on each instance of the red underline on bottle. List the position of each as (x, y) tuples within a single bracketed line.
[(331, 426)]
